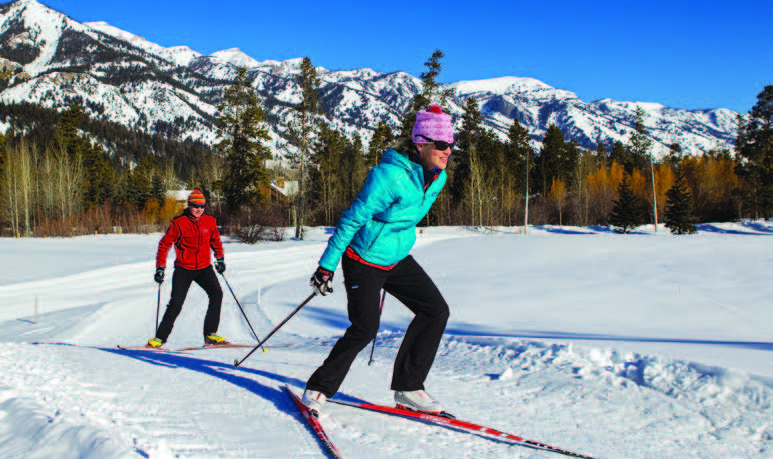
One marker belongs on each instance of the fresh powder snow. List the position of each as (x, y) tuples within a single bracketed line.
[(639, 346)]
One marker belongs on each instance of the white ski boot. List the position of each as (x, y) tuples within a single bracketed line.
[(314, 400), (418, 400)]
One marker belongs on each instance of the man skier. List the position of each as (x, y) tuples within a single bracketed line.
[(193, 235)]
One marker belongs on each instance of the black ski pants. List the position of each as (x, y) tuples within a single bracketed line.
[(181, 283), (410, 284)]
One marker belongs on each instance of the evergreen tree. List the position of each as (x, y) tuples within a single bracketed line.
[(354, 169), (754, 146), (521, 158), (431, 91), (640, 142), (601, 155), (99, 181), (326, 175), (570, 159), (240, 125), (621, 156), (678, 216), (139, 185), (626, 213), (466, 148), (157, 189), (302, 132), (548, 164), (382, 138)]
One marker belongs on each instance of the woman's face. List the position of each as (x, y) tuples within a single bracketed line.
[(433, 158)]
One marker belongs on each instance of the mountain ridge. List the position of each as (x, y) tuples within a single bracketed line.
[(140, 84)]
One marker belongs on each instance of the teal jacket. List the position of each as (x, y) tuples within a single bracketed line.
[(380, 225)]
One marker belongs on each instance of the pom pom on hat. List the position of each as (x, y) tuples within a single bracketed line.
[(196, 197), (434, 124)]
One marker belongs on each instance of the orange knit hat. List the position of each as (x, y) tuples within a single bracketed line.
[(196, 197)]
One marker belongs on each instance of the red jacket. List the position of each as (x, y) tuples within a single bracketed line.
[(192, 240)]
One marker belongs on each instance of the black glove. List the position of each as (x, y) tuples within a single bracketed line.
[(322, 281), (220, 266), (159, 276)]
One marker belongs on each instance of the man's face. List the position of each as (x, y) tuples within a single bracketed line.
[(197, 209)]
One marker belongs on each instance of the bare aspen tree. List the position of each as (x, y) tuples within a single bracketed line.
[(584, 169), (24, 161), (48, 185), (10, 192), (559, 194), (475, 188)]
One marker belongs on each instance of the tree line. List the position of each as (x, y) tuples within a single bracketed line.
[(58, 175)]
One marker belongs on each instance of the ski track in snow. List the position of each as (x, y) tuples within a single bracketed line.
[(66, 391)]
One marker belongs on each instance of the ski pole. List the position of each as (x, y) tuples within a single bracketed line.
[(238, 362), (380, 310), (158, 307), (255, 335)]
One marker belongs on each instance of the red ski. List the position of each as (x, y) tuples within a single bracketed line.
[(312, 418), (196, 348), (142, 348), (457, 424), (227, 346)]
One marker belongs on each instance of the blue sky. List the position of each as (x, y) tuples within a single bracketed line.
[(683, 54)]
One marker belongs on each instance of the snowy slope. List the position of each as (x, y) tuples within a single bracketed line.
[(47, 43), (640, 346)]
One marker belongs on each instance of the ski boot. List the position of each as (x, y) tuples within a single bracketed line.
[(154, 343), (215, 340), (314, 400), (420, 401)]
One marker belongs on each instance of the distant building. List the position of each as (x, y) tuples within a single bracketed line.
[(180, 196), (284, 188)]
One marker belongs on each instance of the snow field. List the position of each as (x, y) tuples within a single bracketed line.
[(647, 346)]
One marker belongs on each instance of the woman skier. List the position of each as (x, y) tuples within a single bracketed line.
[(372, 241)]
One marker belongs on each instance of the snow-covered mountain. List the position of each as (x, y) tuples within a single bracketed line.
[(121, 77)]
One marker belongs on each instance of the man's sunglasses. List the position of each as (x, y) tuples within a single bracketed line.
[(197, 206), (439, 144)]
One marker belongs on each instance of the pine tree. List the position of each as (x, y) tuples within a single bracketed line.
[(466, 150), (754, 146), (621, 156), (601, 155), (678, 216), (382, 138), (626, 213), (326, 175), (640, 154), (520, 157), (570, 159), (157, 189), (302, 132), (640, 142), (431, 91), (548, 164), (240, 125), (353, 163)]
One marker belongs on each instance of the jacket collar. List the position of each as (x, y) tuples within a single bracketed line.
[(187, 213)]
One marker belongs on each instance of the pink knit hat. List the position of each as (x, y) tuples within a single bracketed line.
[(433, 123)]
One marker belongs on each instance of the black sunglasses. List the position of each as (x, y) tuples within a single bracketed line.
[(439, 144), (197, 206)]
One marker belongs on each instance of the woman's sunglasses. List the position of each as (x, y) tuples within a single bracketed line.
[(197, 206), (439, 144)]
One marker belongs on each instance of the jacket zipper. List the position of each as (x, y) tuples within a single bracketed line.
[(198, 242), (376, 237)]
